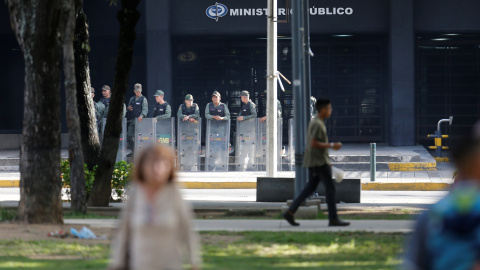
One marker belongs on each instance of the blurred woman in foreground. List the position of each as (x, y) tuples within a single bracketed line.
[(155, 231)]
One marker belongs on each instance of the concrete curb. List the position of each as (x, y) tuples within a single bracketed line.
[(406, 186), (412, 166), (9, 183), (420, 186)]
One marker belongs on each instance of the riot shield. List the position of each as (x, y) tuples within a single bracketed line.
[(165, 132), (217, 146), (189, 145), (246, 141), (144, 134), (261, 151), (122, 145), (291, 145)]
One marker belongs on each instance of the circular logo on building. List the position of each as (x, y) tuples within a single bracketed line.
[(216, 11), (187, 57)]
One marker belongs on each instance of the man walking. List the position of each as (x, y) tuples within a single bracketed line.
[(138, 109), (317, 161), (162, 109), (188, 111), (248, 110)]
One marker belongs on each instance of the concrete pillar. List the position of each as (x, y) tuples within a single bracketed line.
[(402, 73), (158, 50)]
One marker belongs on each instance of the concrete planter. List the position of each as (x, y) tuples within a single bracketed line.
[(283, 189)]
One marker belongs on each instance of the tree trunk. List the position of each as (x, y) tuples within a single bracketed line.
[(128, 17), (38, 26), (77, 172), (86, 109)]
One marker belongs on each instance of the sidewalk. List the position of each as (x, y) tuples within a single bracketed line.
[(354, 158), (245, 200), (241, 225), (408, 181)]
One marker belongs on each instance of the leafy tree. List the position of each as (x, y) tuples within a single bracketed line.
[(128, 17), (75, 145), (39, 27), (86, 109)]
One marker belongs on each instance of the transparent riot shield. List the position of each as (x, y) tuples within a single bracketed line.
[(144, 134), (261, 151), (291, 145), (165, 132), (189, 145), (122, 145), (217, 146), (246, 141)]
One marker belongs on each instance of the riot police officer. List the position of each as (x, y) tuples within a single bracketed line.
[(138, 109), (99, 110), (264, 112), (188, 111), (313, 108), (216, 110), (105, 100), (106, 92), (162, 109), (248, 109)]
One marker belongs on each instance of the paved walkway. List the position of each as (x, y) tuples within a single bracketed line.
[(245, 199), (439, 176), (355, 157), (420, 180), (241, 225)]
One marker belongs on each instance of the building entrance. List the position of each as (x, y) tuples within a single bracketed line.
[(351, 71)]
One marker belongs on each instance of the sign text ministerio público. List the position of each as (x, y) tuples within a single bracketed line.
[(219, 10), (283, 11)]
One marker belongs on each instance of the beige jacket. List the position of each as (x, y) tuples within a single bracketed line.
[(158, 235)]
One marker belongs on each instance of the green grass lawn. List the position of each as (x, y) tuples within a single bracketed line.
[(18, 254), (222, 250)]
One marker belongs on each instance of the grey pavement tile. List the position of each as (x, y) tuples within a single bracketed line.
[(394, 174), (447, 180), (365, 174), (433, 174), (421, 175), (446, 174), (381, 174), (408, 175), (436, 179), (422, 180), (352, 174)]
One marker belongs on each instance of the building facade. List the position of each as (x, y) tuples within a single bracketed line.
[(392, 68)]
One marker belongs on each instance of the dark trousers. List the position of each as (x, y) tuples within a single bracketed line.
[(323, 173), (131, 134)]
